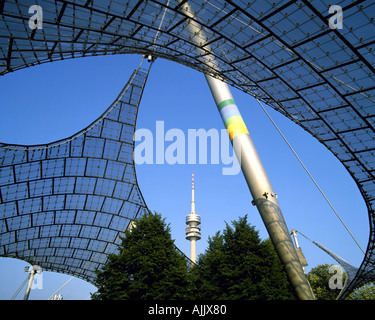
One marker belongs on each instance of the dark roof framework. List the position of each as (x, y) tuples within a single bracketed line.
[(64, 205), (284, 53)]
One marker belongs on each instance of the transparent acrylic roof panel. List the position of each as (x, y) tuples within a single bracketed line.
[(64, 205)]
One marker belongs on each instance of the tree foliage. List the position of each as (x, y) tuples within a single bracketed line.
[(239, 265), (147, 266), (366, 292), (236, 265), (320, 278)]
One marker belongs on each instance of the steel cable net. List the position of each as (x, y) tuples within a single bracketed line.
[(64, 205), (284, 53)]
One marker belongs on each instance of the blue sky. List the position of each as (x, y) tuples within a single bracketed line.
[(55, 100)]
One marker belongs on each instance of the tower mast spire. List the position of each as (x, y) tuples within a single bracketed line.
[(193, 221), (192, 195)]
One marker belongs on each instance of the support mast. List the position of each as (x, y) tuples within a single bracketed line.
[(32, 271), (301, 256), (264, 198)]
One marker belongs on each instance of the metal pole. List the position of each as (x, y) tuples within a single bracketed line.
[(294, 233), (252, 168), (301, 256), (32, 272)]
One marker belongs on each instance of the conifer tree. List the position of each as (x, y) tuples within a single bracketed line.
[(239, 265), (147, 266)]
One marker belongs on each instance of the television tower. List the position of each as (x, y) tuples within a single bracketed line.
[(193, 231)]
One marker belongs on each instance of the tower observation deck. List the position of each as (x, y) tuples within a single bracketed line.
[(193, 230)]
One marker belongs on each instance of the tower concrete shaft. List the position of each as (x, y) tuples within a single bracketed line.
[(193, 221)]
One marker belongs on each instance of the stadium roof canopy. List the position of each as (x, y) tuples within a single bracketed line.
[(65, 205), (285, 53)]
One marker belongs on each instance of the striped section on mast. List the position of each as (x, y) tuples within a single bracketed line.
[(232, 118)]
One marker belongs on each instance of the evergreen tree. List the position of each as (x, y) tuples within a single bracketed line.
[(275, 283), (238, 265), (147, 266)]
